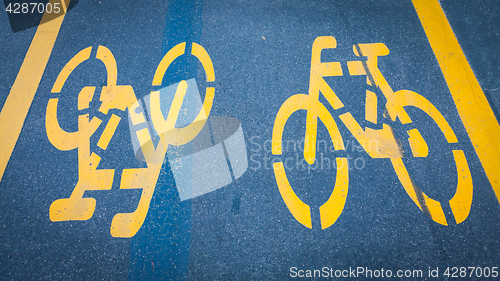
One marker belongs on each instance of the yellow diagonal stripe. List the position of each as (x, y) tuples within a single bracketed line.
[(108, 132), (472, 105), (23, 91)]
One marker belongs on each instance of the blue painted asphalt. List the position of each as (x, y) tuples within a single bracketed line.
[(160, 250), (261, 53)]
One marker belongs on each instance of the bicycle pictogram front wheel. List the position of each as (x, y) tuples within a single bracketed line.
[(333, 207)]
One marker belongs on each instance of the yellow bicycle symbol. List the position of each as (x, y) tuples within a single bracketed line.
[(112, 96), (387, 146)]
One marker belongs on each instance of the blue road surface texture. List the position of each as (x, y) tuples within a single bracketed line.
[(164, 238), (261, 52)]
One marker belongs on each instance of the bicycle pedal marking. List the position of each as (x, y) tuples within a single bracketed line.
[(386, 144), (121, 97)]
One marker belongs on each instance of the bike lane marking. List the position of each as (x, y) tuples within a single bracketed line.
[(473, 107), (23, 91)]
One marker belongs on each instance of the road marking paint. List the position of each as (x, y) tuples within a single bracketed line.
[(105, 55), (429, 206), (318, 84), (371, 107), (300, 210), (65, 5), (472, 105), (23, 91), (386, 145), (82, 56), (419, 147), (199, 52), (166, 61), (333, 207), (109, 132), (462, 200), (122, 97)]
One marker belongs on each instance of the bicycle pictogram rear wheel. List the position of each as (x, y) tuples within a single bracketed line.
[(461, 202)]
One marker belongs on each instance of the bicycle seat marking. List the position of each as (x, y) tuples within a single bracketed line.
[(387, 144), (121, 97)]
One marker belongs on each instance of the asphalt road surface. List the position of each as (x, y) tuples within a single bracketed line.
[(166, 140)]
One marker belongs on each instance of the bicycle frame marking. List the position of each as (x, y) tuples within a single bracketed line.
[(387, 143), (76, 207)]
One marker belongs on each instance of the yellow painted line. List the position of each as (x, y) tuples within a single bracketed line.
[(65, 5), (109, 131), (23, 91), (300, 210), (472, 105), (371, 107)]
